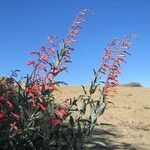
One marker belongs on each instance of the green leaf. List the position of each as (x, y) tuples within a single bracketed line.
[(83, 109), (74, 102), (79, 126), (101, 109), (84, 120), (95, 73), (93, 89), (84, 90), (71, 121)]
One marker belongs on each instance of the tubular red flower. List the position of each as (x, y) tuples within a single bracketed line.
[(54, 121), (30, 63), (53, 86), (13, 92), (15, 115), (34, 104), (61, 112), (42, 106), (42, 67), (36, 88), (13, 126), (44, 57), (52, 50), (2, 115), (2, 97), (33, 52), (10, 104), (71, 41)]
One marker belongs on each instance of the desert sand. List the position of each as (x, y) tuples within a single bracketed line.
[(129, 118)]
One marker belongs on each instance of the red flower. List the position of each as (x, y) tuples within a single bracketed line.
[(28, 91), (52, 50), (34, 104), (71, 41), (61, 112), (42, 67), (44, 57), (33, 52), (36, 88), (30, 63), (53, 86), (56, 70), (2, 97), (54, 121), (13, 92), (42, 107), (13, 126), (46, 86), (9, 104), (106, 65), (16, 115), (2, 115)]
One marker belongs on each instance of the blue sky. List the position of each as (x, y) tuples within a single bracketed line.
[(26, 24)]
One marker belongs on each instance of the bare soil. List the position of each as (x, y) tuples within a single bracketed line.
[(129, 116)]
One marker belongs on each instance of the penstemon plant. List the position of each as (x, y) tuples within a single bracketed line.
[(30, 117)]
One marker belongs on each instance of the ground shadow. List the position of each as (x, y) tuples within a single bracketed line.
[(107, 139)]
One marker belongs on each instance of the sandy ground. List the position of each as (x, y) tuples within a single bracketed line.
[(130, 116)]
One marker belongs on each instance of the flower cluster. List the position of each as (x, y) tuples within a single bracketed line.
[(53, 56), (115, 54), (9, 114), (58, 115)]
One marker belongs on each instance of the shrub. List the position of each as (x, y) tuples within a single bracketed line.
[(133, 84), (3, 78), (30, 118)]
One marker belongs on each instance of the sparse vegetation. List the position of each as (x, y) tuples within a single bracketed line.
[(135, 125), (133, 84)]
